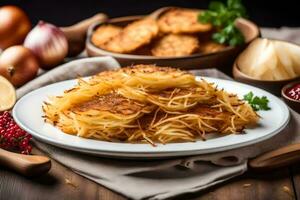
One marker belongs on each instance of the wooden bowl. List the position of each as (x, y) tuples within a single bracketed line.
[(221, 59), (268, 85), (292, 103)]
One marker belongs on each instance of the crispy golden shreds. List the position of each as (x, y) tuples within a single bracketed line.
[(111, 102), (104, 33), (175, 45), (133, 36), (150, 69), (182, 21), (210, 47), (136, 70), (103, 76)]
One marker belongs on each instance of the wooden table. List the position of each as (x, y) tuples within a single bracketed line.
[(62, 183)]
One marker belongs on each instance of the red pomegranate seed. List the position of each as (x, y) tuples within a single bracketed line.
[(12, 137)]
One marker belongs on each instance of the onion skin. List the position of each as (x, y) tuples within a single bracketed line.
[(14, 26), (18, 65), (48, 43)]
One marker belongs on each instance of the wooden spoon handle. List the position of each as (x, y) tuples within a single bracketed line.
[(157, 13), (28, 165), (278, 158), (83, 25), (76, 34)]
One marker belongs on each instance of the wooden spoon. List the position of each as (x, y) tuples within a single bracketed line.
[(277, 158), (28, 165), (157, 13), (76, 34)]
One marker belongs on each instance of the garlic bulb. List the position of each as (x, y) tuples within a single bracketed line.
[(48, 43)]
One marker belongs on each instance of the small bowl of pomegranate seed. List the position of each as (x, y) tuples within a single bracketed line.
[(291, 95)]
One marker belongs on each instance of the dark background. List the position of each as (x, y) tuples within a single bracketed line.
[(274, 13)]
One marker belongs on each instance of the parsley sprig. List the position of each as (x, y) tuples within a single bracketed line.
[(257, 103), (222, 16)]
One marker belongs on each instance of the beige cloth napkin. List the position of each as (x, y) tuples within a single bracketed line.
[(283, 33), (157, 179)]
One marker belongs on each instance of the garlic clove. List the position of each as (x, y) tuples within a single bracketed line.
[(294, 52), (263, 61), (284, 56), (247, 59)]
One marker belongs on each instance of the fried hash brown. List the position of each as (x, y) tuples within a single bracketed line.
[(175, 32), (133, 36), (210, 47), (138, 69), (111, 102), (104, 33), (148, 69), (175, 45), (146, 103), (179, 20)]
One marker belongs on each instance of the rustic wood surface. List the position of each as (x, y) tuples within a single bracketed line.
[(61, 183), (295, 171)]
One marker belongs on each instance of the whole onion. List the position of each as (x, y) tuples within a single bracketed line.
[(14, 26), (48, 43), (18, 65)]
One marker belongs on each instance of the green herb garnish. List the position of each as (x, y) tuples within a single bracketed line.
[(257, 103), (222, 16)]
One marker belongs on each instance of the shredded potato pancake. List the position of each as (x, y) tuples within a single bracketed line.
[(145, 103), (182, 20)]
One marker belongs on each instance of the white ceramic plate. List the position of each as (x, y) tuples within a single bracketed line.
[(28, 114)]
